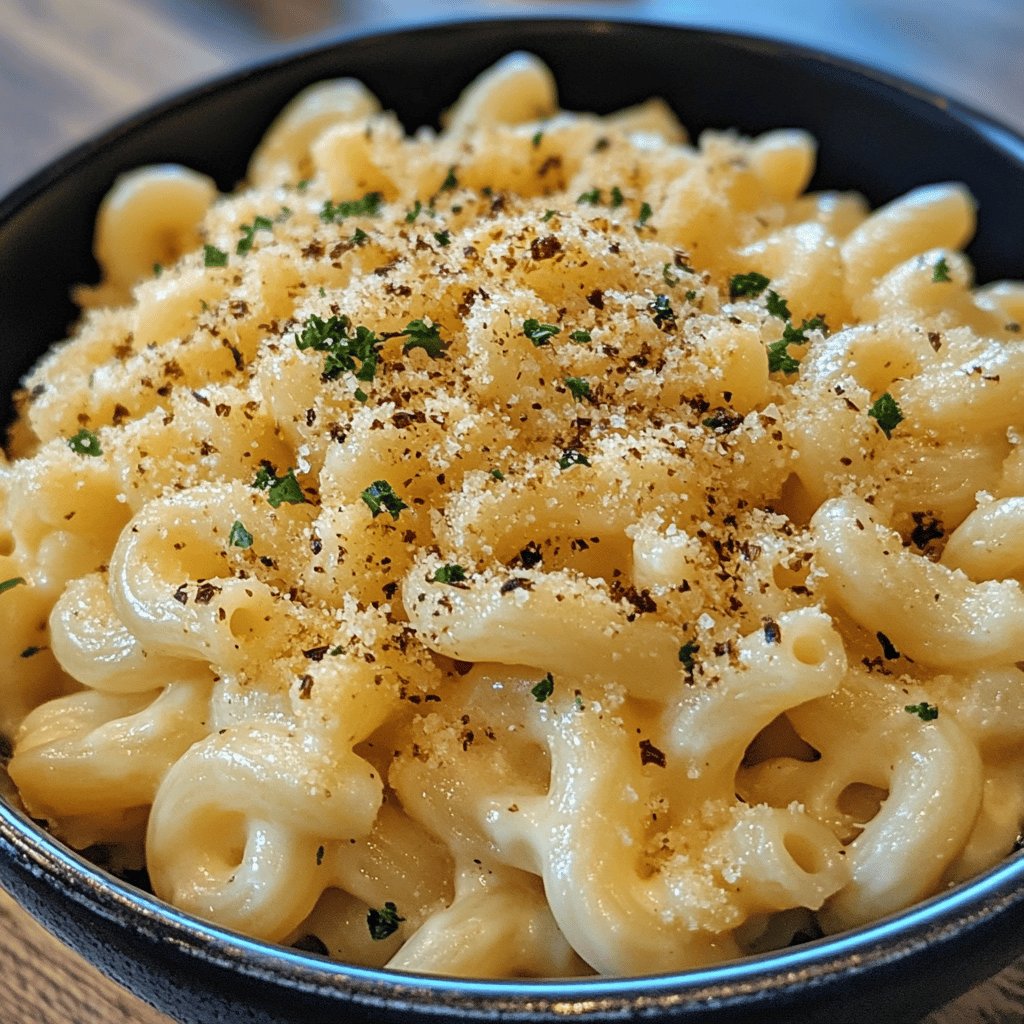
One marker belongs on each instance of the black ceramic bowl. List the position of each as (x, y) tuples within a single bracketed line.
[(876, 135)]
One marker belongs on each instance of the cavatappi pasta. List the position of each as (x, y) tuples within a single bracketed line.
[(539, 548)]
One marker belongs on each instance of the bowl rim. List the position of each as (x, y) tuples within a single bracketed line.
[(898, 937)]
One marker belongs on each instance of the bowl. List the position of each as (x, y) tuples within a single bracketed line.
[(876, 135)]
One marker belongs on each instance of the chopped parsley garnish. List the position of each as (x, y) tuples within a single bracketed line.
[(304, 184), (14, 581), (646, 213), (925, 711), (593, 197), (686, 653), (887, 412), (723, 421), (450, 182), (777, 305), (412, 214), (249, 233), (85, 442), (496, 474), (239, 537), (543, 689), (581, 337), (747, 284), (571, 457), (668, 277), (214, 257), (384, 922), (580, 388), (425, 336), (540, 334), (661, 310), (617, 198), (281, 490), (450, 574), (779, 359), (380, 497), (361, 396), (940, 271), (548, 214), (157, 269), (359, 237), (368, 206), (285, 490), (536, 140), (343, 349), (443, 238)]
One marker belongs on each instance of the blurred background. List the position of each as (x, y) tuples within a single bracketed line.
[(71, 67)]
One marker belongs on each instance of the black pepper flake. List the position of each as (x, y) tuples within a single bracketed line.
[(530, 557), (205, 593), (888, 648), (926, 529), (545, 248), (319, 856), (772, 631), (316, 545), (596, 298), (181, 594), (516, 583), (650, 754), (390, 589), (316, 653)]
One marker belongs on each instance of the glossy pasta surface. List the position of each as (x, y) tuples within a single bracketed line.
[(545, 547)]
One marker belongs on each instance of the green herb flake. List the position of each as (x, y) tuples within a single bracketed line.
[(245, 243), (925, 711), (571, 457), (887, 412), (450, 574), (443, 238), (496, 474), (593, 197), (777, 305), (686, 653), (14, 581), (752, 284), (359, 237), (940, 271), (581, 337), (303, 184), (668, 277), (384, 922), (239, 537), (617, 198), (285, 490), (425, 336), (342, 349), (548, 214), (85, 442), (31, 652), (537, 138), (413, 213), (662, 312), (281, 490), (540, 334), (380, 497), (214, 257), (367, 206), (779, 359), (580, 388), (646, 213), (361, 396), (450, 182), (157, 269), (543, 689)]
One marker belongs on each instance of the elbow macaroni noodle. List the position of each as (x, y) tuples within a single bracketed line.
[(537, 548)]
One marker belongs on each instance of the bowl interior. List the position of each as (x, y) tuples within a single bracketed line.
[(875, 136)]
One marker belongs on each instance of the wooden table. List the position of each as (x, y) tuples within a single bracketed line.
[(70, 67)]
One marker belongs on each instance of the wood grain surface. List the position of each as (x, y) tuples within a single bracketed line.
[(71, 67)]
